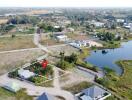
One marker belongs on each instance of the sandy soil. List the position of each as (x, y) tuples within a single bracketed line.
[(8, 61)]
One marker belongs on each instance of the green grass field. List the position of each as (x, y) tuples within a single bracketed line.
[(20, 95), (122, 85)]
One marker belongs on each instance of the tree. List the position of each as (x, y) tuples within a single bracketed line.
[(72, 58), (106, 36)]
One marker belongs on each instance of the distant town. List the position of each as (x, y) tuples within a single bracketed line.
[(65, 54)]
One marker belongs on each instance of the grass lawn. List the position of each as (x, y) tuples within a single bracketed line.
[(20, 95), (113, 44), (82, 63), (120, 30), (6, 95), (49, 83), (18, 42), (121, 85)]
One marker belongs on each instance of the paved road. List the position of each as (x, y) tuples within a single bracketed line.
[(19, 50), (100, 74), (4, 36), (56, 83), (36, 42)]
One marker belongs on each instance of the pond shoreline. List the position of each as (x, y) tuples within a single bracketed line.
[(111, 57)]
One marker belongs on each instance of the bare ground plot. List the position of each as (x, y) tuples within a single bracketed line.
[(66, 48), (49, 42), (18, 42), (8, 61), (2, 21), (77, 36), (71, 78)]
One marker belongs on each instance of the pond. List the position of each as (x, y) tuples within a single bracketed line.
[(108, 57)]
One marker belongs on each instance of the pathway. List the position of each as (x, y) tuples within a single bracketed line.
[(56, 90), (56, 78)]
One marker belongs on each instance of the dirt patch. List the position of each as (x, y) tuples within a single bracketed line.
[(8, 61), (18, 42), (66, 48), (71, 78)]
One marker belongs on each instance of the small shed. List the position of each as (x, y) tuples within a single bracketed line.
[(12, 86), (62, 38), (25, 73)]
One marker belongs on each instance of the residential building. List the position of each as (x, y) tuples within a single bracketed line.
[(120, 20), (93, 93), (25, 74), (62, 38)]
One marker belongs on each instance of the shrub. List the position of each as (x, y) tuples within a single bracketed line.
[(13, 74), (65, 65)]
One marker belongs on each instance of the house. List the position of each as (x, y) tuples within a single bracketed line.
[(97, 24), (120, 20), (62, 38), (94, 93), (46, 96), (70, 29), (25, 73), (56, 26), (127, 25), (12, 86)]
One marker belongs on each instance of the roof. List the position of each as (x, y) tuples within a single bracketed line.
[(46, 96), (12, 86), (62, 36), (94, 92), (25, 73)]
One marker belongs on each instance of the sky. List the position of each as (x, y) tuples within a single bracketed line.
[(65, 3)]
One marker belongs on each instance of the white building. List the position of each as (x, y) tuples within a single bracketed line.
[(62, 38), (12, 86), (56, 26), (25, 73), (120, 20), (70, 29), (97, 24), (127, 25)]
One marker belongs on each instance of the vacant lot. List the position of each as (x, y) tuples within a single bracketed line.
[(78, 87), (66, 48), (18, 42), (8, 61), (2, 21)]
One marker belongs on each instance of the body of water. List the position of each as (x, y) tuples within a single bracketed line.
[(108, 57)]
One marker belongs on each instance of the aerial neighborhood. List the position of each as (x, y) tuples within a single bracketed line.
[(65, 54)]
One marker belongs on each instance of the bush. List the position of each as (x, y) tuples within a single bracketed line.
[(13, 74), (87, 65), (65, 65)]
